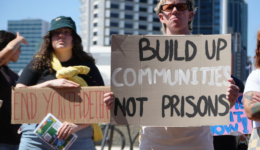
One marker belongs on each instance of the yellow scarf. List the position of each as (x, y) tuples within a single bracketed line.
[(71, 73)]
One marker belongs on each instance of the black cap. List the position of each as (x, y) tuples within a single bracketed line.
[(63, 21)]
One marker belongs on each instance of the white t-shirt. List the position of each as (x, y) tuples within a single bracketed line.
[(253, 84), (176, 138)]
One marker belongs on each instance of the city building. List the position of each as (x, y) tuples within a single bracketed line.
[(249, 65), (33, 30), (102, 18), (238, 54), (225, 17)]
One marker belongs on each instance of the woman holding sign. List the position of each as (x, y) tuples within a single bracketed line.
[(10, 48), (61, 48)]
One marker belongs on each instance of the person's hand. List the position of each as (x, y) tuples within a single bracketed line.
[(109, 99), (66, 129), (21, 38), (62, 83), (256, 97), (232, 92)]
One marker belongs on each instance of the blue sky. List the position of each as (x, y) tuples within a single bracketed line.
[(40, 9), (253, 25), (49, 9)]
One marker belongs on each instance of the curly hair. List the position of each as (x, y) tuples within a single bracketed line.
[(42, 59), (5, 38), (257, 52), (157, 9)]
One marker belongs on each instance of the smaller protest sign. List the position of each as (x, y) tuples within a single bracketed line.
[(77, 105), (238, 121)]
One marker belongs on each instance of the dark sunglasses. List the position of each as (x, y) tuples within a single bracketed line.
[(179, 7)]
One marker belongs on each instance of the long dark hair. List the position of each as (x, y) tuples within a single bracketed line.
[(42, 59), (257, 52), (5, 38)]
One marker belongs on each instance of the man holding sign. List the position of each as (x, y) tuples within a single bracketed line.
[(176, 17)]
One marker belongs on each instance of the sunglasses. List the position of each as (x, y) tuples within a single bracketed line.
[(179, 7)]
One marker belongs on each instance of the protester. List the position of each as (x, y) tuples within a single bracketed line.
[(10, 45), (251, 98), (61, 56), (176, 17), (228, 142)]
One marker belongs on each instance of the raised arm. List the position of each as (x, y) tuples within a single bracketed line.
[(11, 48), (252, 108)]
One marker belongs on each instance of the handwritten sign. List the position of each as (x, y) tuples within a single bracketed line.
[(77, 105), (238, 121), (170, 80)]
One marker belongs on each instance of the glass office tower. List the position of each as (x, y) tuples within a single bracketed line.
[(33, 30), (209, 20)]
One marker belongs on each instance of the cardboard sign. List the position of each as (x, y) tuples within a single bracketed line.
[(238, 121), (77, 105), (170, 80)]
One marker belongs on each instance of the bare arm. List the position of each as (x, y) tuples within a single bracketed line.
[(252, 108), (44, 84), (11, 48), (56, 83)]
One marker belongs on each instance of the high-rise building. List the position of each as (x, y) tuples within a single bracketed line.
[(102, 18), (207, 18), (249, 65), (239, 59), (225, 17), (33, 30)]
